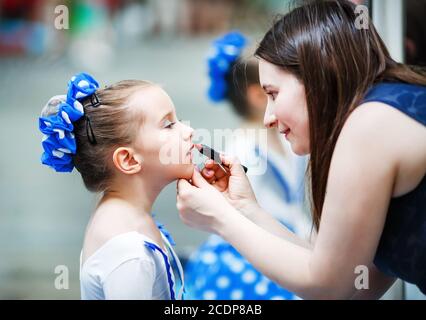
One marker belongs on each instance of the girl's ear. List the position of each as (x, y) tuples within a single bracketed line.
[(127, 161)]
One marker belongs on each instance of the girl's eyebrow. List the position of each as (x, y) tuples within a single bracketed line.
[(165, 116)]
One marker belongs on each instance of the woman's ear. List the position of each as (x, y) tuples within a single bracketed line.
[(127, 161)]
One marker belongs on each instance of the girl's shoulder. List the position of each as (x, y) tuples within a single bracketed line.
[(105, 224), (114, 236), (116, 251), (114, 218)]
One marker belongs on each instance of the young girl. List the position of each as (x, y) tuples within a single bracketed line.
[(127, 145)]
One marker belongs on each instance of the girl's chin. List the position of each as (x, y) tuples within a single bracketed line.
[(185, 171)]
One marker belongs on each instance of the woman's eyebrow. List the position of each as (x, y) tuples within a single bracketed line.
[(267, 87)]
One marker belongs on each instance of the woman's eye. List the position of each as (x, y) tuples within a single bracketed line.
[(273, 95)]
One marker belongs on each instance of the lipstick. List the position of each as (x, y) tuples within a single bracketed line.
[(215, 156)]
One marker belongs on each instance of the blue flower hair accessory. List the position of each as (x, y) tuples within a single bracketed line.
[(225, 52), (56, 122)]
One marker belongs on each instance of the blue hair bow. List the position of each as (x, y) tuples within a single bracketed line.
[(225, 52), (59, 141)]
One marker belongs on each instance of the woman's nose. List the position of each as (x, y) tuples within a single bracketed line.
[(270, 120)]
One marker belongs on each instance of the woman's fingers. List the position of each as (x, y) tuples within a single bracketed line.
[(183, 187), (212, 169), (218, 179), (207, 173), (209, 164), (233, 165), (218, 175), (198, 180), (222, 184)]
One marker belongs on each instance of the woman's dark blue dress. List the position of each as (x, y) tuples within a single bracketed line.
[(402, 249)]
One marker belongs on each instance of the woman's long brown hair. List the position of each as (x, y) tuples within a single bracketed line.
[(320, 44)]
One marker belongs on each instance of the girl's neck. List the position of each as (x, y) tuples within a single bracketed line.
[(136, 191), (125, 207)]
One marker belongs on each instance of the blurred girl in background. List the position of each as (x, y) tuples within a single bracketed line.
[(216, 270)]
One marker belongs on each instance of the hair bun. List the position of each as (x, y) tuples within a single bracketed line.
[(56, 122), (225, 51)]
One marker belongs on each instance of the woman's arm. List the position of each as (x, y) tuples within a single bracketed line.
[(267, 222), (359, 189), (236, 188)]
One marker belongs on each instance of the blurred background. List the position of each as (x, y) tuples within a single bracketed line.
[(43, 215)]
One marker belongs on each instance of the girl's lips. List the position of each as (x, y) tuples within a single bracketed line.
[(286, 132), (190, 149), (189, 153)]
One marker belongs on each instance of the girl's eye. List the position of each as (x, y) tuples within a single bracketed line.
[(169, 125)]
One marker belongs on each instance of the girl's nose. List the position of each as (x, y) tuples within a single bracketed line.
[(189, 131), (270, 120)]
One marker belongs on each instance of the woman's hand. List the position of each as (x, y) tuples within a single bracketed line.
[(234, 185), (200, 205)]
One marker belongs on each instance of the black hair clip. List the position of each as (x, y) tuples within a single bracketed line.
[(89, 131), (94, 100)]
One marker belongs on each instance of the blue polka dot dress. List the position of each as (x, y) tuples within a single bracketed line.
[(218, 272)]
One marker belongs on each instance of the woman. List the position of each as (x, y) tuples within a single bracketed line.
[(336, 94)]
